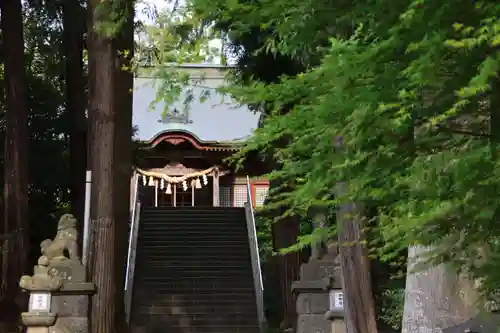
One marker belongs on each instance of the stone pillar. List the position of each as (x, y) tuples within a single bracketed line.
[(318, 247), (314, 297), (319, 291), (59, 293), (71, 302)]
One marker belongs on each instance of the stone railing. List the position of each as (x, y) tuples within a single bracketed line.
[(254, 253)]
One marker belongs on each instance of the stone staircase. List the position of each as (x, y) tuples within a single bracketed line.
[(193, 272)]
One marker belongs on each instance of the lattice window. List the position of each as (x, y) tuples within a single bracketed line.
[(239, 195), (183, 198), (260, 195), (225, 196)]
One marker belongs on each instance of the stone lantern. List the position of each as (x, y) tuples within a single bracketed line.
[(39, 317)]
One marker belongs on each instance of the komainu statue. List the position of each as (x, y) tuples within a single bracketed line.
[(65, 240)]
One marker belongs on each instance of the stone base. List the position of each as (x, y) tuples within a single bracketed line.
[(37, 330), (318, 269), (317, 278), (73, 324), (38, 319), (70, 305), (313, 323), (338, 326), (313, 303), (72, 312)]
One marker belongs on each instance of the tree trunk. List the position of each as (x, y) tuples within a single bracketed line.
[(104, 275), (16, 165), (435, 298), (124, 42), (73, 21), (285, 234), (111, 114), (359, 306)]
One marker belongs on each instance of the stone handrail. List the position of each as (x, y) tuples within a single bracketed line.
[(255, 257), (132, 245)]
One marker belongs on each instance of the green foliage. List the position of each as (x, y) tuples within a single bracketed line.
[(391, 309), (264, 237), (48, 130), (109, 16), (411, 88), (175, 36)]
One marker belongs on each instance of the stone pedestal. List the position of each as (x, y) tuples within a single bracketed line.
[(319, 283), (338, 325), (71, 301), (313, 299), (38, 322), (59, 293)]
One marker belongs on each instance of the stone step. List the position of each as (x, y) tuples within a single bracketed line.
[(206, 228), (212, 298), (193, 210), (223, 286), (163, 325), (209, 319), (165, 254), (197, 261), (228, 240), (194, 233), (191, 270)]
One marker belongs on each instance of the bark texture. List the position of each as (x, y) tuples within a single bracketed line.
[(101, 53), (359, 306), (123, 143), (285, 233), (74, 21), (110, 90), (435, 298), (16, 226)]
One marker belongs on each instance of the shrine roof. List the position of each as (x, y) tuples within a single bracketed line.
[(178, 136)]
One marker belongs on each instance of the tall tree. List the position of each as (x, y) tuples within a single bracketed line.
[(109, 46), (124, 76), (73, 30), (359, 304), (16, 164), (427, 65), (102, 56)]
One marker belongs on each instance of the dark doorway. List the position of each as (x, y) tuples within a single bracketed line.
[(177, 197)]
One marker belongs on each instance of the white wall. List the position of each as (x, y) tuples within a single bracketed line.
[(218, 118)]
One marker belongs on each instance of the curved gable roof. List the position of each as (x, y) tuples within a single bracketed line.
[(178, 136)]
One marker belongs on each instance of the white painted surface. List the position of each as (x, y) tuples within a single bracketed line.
[(218, 118), (39, 302)]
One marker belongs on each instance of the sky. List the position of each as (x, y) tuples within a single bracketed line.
[(164, 4)]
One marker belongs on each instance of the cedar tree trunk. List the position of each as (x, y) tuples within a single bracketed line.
[(16, 224)]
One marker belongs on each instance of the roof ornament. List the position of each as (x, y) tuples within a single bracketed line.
[(175, 116)]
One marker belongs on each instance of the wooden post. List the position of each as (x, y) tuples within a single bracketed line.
[(359, 307), (156, 193), (192, 193), (174, 193), (216, 191)]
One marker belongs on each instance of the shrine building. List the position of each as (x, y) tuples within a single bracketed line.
[(189, 147), (193, 261)]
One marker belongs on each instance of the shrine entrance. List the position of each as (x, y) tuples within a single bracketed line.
[(178, 186), (178, 196)]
